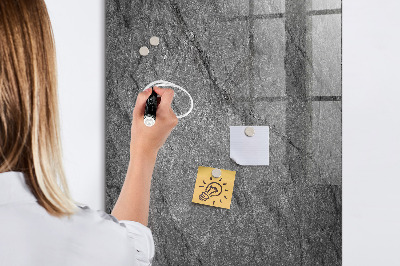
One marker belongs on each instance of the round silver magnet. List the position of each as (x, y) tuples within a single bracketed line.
[(144, 51), (154, 40), (216, 173), (249, 131)]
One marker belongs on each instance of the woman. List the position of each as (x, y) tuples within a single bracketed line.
[(40, 223)]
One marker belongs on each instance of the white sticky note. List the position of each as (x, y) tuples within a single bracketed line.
[(252, 150)]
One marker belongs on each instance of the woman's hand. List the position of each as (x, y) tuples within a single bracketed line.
[(150, 139), (134, 199)]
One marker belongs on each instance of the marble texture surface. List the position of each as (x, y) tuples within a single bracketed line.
[(275, 63)]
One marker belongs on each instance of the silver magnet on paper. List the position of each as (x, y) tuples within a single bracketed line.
[(154, 40), (216, 173), (249, 131), (144, 51)]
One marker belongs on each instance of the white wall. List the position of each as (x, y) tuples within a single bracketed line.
[(79, 34), (371, 133)]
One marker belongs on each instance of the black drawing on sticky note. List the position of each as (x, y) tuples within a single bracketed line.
[(213, 189)]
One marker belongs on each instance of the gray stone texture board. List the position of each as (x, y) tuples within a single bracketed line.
[(266, 63)]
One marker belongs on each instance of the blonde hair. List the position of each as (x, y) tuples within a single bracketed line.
[(29, 118)]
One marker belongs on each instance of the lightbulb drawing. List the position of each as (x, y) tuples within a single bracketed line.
[(213, 189)]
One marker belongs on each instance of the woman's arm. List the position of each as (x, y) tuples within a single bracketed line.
[(133, 201)]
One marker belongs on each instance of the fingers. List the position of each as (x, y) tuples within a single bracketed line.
[(141, 99), (167, 95), (158, 90)]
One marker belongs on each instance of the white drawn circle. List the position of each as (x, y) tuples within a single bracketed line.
[(163, 83)]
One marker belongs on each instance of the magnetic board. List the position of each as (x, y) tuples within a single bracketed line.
[(269, 63)]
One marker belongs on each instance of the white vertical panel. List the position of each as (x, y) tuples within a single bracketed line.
[(79, 33), (371, 133)]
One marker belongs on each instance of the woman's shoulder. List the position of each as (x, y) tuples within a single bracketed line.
[(86, 213)]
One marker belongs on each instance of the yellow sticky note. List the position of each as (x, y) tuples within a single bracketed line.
[(213, 191)]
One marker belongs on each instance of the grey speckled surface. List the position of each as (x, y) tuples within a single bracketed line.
[(275, 63)]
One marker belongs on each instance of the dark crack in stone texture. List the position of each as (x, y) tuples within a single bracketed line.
[(275, 63)]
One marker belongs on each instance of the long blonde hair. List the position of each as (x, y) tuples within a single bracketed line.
[(29, 117)]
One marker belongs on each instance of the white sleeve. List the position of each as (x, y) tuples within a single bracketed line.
[(143, 241), (141, 237)]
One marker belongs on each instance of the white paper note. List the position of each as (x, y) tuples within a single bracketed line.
[(246, 150)]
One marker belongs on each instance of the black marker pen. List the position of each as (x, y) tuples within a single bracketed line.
[(150, 109)]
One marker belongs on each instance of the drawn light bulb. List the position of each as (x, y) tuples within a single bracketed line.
[(213, 189)]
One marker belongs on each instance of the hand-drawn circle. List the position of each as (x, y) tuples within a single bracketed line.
[(163, 83)]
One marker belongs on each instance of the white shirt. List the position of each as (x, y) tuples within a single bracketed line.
[(31, 236)]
